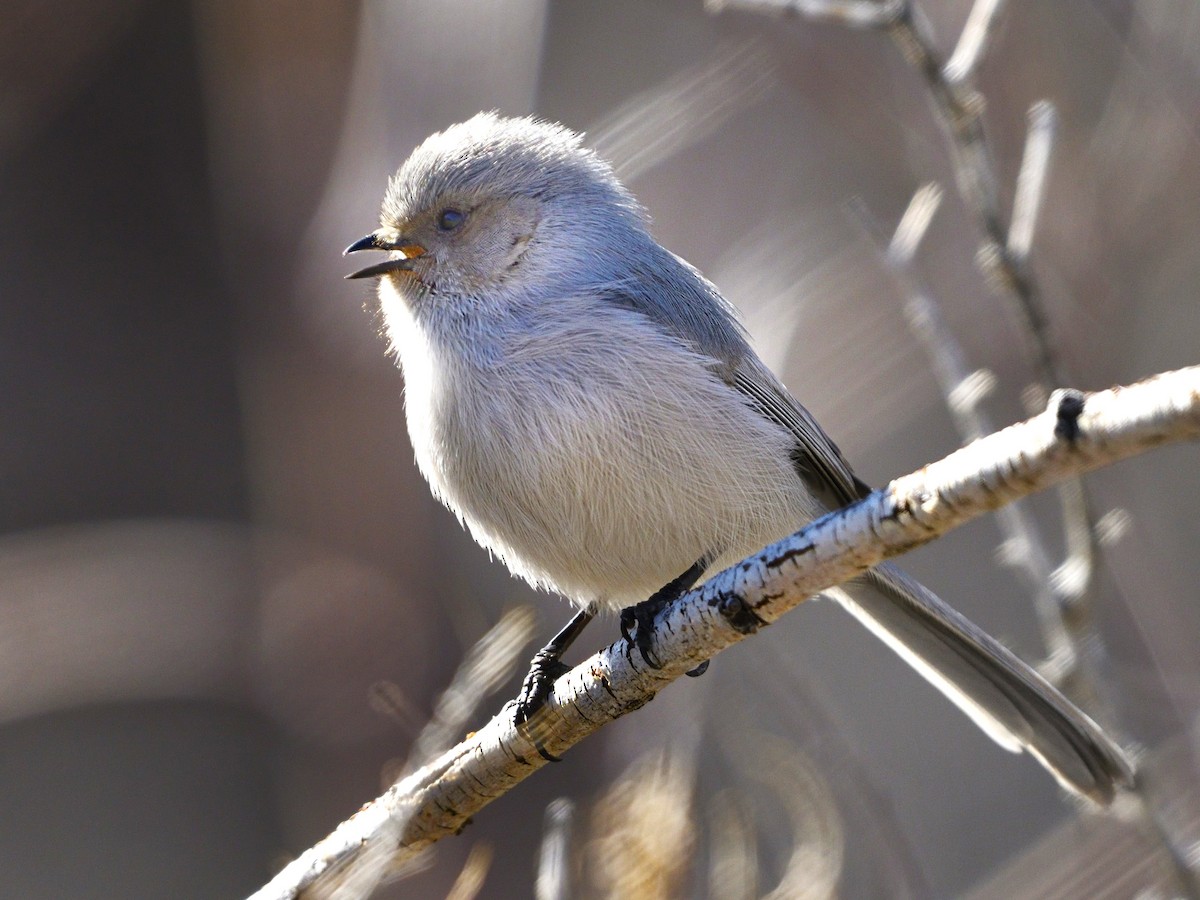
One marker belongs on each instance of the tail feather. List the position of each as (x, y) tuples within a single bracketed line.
[(1014, 705)]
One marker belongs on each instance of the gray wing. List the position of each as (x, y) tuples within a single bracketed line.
[(681, 301), (817, 459)]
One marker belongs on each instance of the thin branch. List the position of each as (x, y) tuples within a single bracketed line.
[(372, 862), (554, 858), (470, 880), (1063, 602), (1031, 180), (855, 13), (964, 390), (913, 224), (1076, 434), (960, 108), (973, 42), (1003, 257)]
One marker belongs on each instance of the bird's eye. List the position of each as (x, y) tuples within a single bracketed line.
[(449, 219)]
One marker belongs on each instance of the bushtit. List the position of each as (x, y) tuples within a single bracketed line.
[(588, 405)]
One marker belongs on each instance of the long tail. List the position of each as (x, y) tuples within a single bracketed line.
[(1018, 708)]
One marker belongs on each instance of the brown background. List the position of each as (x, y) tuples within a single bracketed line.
[(214, 541)]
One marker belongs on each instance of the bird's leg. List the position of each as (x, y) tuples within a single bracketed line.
[(643, 614), (547, 665)]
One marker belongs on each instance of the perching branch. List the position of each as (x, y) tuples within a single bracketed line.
[(1076, 434)]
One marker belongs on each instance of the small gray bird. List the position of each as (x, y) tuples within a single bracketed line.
[(589, 406)]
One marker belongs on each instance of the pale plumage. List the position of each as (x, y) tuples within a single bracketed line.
[(587, 404)]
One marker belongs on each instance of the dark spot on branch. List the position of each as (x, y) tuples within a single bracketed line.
[(741, 618), (608, 687), (789, 556), (901, 507), (1070, 408), (637, 703), (579, 712), (513, 753)]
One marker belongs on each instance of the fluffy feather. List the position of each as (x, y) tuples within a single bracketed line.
[(588, 405)]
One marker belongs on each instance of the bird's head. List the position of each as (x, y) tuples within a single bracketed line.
[(495, 205)]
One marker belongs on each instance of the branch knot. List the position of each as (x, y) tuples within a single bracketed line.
[(1070, 408)]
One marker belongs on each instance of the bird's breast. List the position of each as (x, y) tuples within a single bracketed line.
[(594, 454)]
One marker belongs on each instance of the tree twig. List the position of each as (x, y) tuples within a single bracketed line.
[(1077, 433), (964, 390), (554, 857), (1003, 255)]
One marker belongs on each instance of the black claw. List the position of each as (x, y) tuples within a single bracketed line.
[(544, 669), (628, 620), (637, 627), (699, 670), (637, 622)]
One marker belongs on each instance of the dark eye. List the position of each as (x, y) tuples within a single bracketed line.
[(449, 219)]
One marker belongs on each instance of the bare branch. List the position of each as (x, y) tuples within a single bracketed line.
[(972, 43), (964, 390), (1069, 438), (554, 869), (1031, 180), (1002, 256), (855, 13), (914, 223)]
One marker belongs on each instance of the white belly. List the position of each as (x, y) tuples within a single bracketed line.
[(581, 460)]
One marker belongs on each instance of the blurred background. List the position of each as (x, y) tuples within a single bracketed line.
[(227, 601)]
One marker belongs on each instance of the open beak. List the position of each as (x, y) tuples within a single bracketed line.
[(373, 241)]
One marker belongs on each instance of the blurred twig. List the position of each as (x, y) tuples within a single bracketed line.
[(470, 880), (733, 849), (818, 843), (353, 870), (964, 390), (855, 13), (659, 122), (1075, 650), (643, 829), (1003, 256), (439, 799), (554, 856)]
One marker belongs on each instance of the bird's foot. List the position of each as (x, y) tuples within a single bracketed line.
[(637, 627), (545, 668), (637, 622)]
